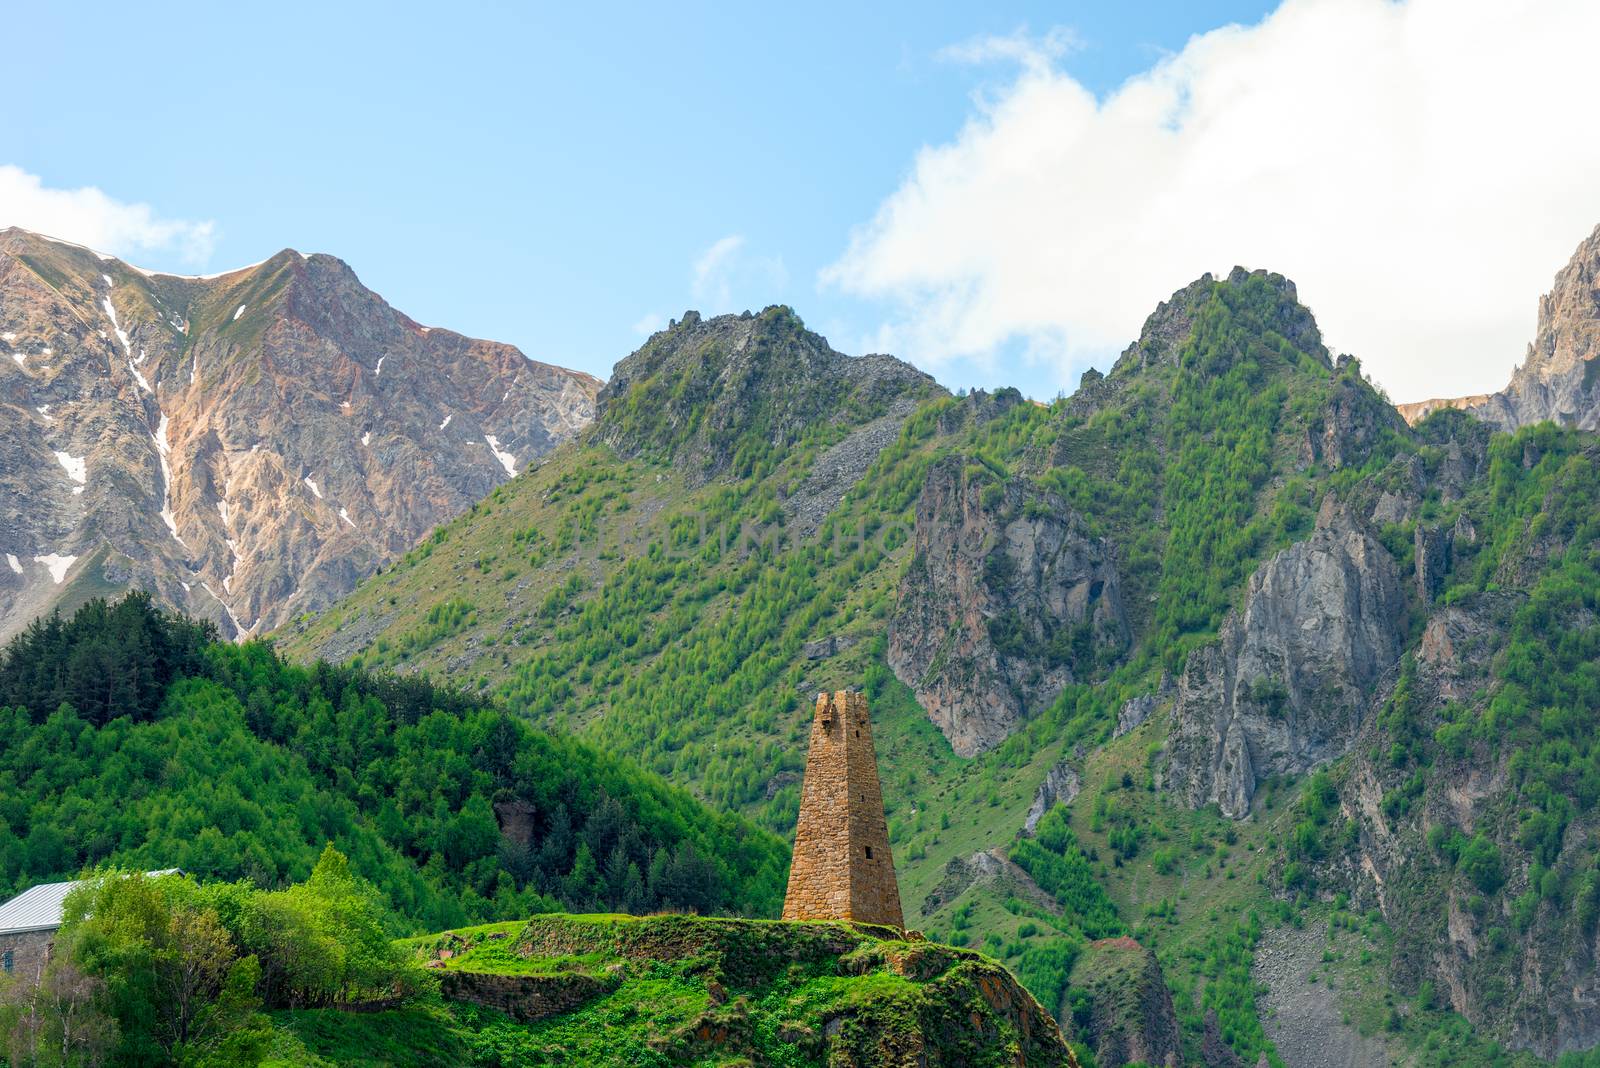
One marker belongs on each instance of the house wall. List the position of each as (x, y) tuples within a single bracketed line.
[(29, 952)]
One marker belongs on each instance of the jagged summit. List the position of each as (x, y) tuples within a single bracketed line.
[(245, 445), (1557, 379), (710, 390), (1558, 376), (1167, 327)]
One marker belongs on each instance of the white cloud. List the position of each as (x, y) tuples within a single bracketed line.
[(1019, 47), (708, 269), (728, 271), (649, 323), (1421, 170), (92, 218)]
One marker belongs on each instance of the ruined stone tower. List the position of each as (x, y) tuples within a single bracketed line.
[(842, 868)]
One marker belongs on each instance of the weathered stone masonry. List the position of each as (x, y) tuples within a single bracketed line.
[(842, 867), (26, 953)]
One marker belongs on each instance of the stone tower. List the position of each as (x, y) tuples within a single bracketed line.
[(842, 868)]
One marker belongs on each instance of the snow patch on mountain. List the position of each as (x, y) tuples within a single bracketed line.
[(507, 461), (57, 564)]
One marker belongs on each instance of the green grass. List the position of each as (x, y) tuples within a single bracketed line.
[(423, 1037), (488, 948), (691, 991)]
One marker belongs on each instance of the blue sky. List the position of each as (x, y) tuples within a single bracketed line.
[(546, 175), (963, 185)]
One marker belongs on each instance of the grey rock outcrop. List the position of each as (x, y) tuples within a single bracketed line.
[(1136, 710), (1559, 379), (1060, 787), (1287, 685), (1431, 558), (977, 408), (1353, 422), (823, 648), (246, 446), (1007, 600), (1391, 508), (1435, 550), (1164, 330)]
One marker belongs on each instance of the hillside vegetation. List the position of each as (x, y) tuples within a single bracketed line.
[(171, 971), (135, 738), (1229, 544)]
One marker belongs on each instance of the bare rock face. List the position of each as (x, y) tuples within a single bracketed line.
[(1007, 600), (1287, 685), (1558, 379), (1541, 991), (1061, 786), (1136, 710), (1164, 331), (246, 446), (1435, 552)]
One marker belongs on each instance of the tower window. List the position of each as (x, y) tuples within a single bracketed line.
[(6, 962), (869, 852), (858, 734)]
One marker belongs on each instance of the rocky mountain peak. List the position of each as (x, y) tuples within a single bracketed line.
[(246, 445), (1569, 315), (1270, 297), (1166, 328), (703, 388), (1558, 379)]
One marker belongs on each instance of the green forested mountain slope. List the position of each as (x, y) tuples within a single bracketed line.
[(627, 595), (1166, 599), (133, 738)]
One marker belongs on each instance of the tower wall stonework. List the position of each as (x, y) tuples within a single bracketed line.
[(842, 867)]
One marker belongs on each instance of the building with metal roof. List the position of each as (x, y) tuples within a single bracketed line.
[(29, 921)]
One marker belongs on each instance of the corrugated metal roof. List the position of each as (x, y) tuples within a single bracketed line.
[(38, 908)]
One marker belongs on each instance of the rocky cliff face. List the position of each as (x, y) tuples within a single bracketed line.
[(1352, 424), (1292, 676), (991, 868), (1451, 825), (1558, 379), (247, 446), (1531, 980), (1006, 600)]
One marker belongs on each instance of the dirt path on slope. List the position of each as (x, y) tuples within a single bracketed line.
[(1303, 1018)]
